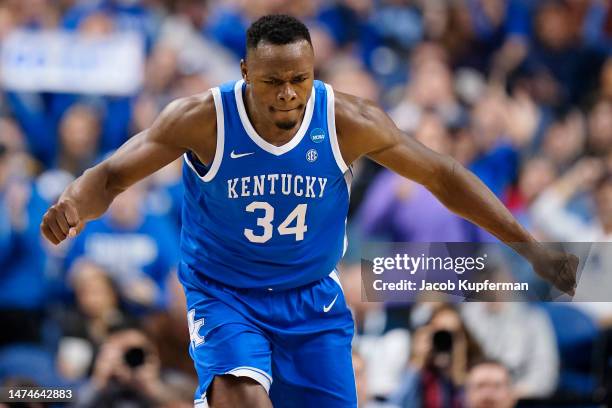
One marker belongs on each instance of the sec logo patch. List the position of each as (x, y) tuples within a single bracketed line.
[(312, 155)]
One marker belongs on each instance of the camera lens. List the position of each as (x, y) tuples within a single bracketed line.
[(134, 357), (442, 341)]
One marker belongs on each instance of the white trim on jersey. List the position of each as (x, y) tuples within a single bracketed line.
[(334, 275), (251, 372), (333, 139), (331, 125), (259, 141), (216, 163), (256, 374)]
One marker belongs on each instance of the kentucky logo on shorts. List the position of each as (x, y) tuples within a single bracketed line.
[(194, 328)]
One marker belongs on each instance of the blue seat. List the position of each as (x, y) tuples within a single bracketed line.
[(29, 361), (577, 337)]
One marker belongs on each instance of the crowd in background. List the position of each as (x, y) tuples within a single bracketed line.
[(518, 91)]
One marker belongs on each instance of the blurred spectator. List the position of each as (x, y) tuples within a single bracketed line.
[(496, 160), (430, 89), (522, 338), (555, 59), (137, 249), (161, 71), (599, 139), (23, 290), (525, 122), (86, 328), (565, 140), (79, 136), (552, 216), (560, 222), (489, 385), (535, 176), (401, 210), (127, 373), (440, 354), (104, 16), (349, 77)]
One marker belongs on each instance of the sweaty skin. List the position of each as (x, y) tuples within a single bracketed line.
[(279, 82)]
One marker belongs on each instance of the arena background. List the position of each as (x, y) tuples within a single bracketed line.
[(518, 91)]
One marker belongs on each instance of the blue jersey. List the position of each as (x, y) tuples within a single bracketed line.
[(265, 216)]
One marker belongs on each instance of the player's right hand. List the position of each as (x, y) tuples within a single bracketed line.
[(558, 268), (61, 221)]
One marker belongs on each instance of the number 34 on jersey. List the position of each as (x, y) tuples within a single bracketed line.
[(295, 223)]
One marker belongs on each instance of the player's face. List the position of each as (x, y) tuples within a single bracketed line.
[(280, 80)]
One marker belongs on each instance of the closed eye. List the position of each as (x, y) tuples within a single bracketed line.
[(271, 81)]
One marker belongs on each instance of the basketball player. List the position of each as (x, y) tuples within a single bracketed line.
[(266, 174)]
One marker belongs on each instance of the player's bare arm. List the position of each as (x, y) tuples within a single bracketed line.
[(364, 129), (185, 124)]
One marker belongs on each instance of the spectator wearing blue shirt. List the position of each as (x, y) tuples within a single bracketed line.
[(496, 160), (23, 290), (138, 250)]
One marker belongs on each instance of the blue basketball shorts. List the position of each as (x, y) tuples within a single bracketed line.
[(296, 343)]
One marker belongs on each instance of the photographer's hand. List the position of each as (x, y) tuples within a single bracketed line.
[(146, 378), (109, 365)]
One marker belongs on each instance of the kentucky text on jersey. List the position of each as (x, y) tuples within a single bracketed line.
[(270, 184)]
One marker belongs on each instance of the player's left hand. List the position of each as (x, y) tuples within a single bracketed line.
[(558, 268)]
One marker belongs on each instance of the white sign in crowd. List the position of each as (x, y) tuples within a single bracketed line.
[(62, 61)]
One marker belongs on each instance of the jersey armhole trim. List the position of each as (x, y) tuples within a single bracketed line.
[(331, 129), (216, 163)]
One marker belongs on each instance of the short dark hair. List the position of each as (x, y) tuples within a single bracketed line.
[(277, 29)]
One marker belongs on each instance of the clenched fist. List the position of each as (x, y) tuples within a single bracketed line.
[(558, 268), (61, 221)]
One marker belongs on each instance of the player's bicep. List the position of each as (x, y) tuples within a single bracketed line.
[(139, 157), (410, 158), (176, 130)]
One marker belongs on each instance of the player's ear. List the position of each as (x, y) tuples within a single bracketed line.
[(243, 70)]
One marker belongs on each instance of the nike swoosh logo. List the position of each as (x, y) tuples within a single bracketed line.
[(328, 308), (238, 155)]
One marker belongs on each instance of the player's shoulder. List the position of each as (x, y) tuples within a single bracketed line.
[(362, 126), (188, 121), (353, 112), (193, 108)]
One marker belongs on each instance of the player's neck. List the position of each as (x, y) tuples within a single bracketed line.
[(266, 129)]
